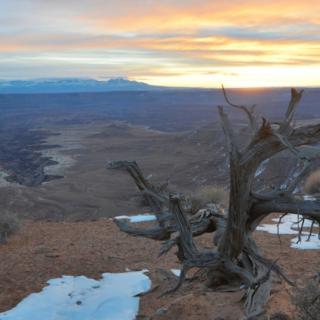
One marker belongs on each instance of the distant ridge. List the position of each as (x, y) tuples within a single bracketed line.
[(68, 85)]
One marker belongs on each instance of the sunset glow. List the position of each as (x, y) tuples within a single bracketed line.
[(175, 43)]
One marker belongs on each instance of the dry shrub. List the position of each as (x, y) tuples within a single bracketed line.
[(307, 301), (280, 316), (206, 195), (312, 184), (8, 225), (212, 194)]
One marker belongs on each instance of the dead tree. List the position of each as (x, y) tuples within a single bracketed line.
[(235, 258)]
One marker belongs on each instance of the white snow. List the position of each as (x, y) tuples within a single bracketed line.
[(284, 228), (81, 298), (138, 218), (309, 197), (176, 272), (291, 225), (287, 225), (313, 243)]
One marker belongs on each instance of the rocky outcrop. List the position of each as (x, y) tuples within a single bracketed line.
[(21, 157)]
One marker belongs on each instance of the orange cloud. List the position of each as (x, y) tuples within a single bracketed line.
[(193, 15), (173, 42), (198, 50)]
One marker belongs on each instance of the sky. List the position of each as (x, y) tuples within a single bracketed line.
[(164, 42)]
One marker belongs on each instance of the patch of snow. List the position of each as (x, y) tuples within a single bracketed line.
[(273, 229), (294, 221), (304, 244), (285, 227), (291, 225), (138, 218), (309, 198), (176, 272), (81, 298)]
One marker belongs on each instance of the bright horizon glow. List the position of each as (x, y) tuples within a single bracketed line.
[(181, 43), (247, 77)]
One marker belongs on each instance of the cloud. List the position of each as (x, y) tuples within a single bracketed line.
[(158, 40)]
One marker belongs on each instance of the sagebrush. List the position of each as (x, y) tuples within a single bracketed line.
[(206, 195), (8, 225)]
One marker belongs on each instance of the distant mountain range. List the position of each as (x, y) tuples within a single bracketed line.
[(66, 85)]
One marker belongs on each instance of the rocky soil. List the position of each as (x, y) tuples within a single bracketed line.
[(44, 250)]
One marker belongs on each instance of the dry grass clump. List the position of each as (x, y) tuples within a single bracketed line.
[(206, 195), (307, 301), (9, 224), (212, 194), (280, 316), (312, 184)]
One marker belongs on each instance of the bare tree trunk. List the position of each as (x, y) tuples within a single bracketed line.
[(235, 235), (235, 258)]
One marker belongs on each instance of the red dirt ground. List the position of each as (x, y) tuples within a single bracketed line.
[(44, 250)]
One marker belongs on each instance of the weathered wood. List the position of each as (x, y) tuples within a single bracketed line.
[(309, 209), (249, 111), (155, 233), (234, 258)]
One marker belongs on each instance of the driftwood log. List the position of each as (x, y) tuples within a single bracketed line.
[(235, 258)]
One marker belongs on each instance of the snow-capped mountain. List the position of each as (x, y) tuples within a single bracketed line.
[(64, 85)]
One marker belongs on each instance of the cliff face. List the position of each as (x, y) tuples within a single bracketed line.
[(21, 158)]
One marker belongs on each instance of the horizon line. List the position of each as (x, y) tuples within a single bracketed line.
[(161, 86)]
